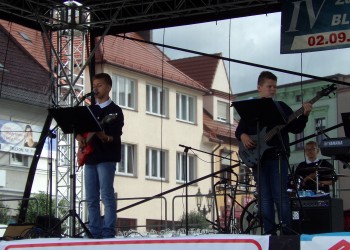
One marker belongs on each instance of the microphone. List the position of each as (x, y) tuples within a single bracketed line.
[(92, 93)]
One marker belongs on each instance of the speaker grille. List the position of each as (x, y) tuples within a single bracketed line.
[(312, 215)]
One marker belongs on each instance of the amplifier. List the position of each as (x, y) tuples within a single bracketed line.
[(313, 215)]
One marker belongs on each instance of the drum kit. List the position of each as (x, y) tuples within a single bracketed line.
[(249, 219)]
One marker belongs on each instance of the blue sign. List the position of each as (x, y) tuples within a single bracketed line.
[(313, 25)]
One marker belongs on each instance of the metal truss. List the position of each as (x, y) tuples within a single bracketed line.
[(69, 84), (131, 15)]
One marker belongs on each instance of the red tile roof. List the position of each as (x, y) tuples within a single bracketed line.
[(137, 56), (200, 68), (143, 58), (216, 130), (33, 47), (23, 79)]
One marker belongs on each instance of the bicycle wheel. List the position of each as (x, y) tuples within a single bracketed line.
[(249, 220)]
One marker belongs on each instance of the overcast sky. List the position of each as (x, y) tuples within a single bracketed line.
[(254, 39)]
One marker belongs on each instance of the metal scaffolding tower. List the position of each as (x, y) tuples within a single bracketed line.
[(69, 86)]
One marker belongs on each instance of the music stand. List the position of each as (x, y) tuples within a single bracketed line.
[(263, 111), (75, 120)]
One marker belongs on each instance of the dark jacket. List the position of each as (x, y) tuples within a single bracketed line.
[(108, 151), (326, 172), (295, 126)]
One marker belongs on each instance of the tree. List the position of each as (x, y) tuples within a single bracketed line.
[(40, 206), (4, 213), (195, 220)]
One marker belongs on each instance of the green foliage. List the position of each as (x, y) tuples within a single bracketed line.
[(39, 207), (4, 213), (195, 220)]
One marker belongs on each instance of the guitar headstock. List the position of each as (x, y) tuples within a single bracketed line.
[(327, 91), (109, 118)]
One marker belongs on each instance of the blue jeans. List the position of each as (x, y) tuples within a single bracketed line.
[(99, 180), (271, 189)]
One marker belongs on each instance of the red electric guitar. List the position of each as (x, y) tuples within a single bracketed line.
[(85, 151)]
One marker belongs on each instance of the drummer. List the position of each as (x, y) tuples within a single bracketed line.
[(307, 170)]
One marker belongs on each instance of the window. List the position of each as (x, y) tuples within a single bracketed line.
[(181, 167), (126, 166), (155, 163), (18, 159), (2, 68), (126, 224), (320, 125), (298, 98), (225, 162), (156, 100), (123, 91), (25, 37), (157, 225), (244, 177), (185, 107), (299, 145), (223, 111)]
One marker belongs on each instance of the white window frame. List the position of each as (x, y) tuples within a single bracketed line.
[(18, 159), (160, 107), (186, 108), (156, 170), (225, 106), (320, 124), (191, 167), (299, 145), (124, 91), (225, 162), (127, 164)]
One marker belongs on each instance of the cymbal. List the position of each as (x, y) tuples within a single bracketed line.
[(330, 176), (245, 174), (314, 169)]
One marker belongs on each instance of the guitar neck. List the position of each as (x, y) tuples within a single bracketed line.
[(89, 137), (269, 135)]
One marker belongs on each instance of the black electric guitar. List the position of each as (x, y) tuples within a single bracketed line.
[(250, 157)]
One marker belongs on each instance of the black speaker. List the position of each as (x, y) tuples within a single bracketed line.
[(313, 215), (49, 225)]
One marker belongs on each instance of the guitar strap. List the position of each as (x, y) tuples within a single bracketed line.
[(280, 109)]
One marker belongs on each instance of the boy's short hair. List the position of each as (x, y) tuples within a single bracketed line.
[(266, 75), (106, 77)]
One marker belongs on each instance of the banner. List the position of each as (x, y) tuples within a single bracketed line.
[(314, 25), (328, 241), (22, 138), (201, 242)]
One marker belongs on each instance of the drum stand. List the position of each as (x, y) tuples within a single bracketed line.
[(317, 180)]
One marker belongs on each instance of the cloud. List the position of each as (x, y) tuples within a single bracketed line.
[(254, 39)]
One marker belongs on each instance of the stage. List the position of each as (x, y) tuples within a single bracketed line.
[(330, 241)]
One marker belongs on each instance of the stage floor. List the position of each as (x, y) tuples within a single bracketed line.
[(201, 242)]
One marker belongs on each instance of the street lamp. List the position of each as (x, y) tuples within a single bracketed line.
[(199, 198)]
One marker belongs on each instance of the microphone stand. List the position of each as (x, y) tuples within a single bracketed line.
[(186, 188)]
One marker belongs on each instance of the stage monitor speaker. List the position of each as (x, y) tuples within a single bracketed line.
[(313, 215), (17, 231)]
